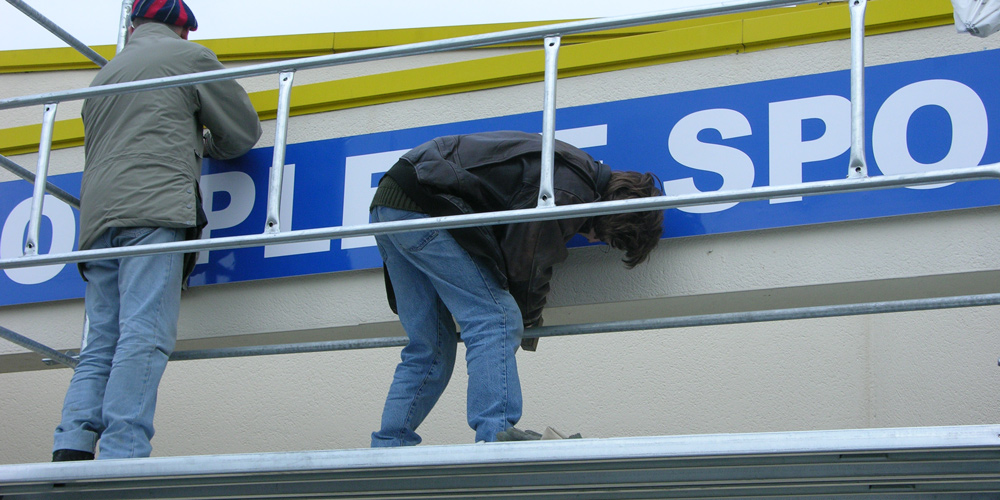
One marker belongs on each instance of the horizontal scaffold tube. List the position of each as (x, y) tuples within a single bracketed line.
[(524, 215), (52, 189), (627, 325), (949, 458), (732, 318), (465, 42), (45, 350), (59, 32)]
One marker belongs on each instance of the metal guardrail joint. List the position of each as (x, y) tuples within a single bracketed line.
[(41, 179), (273, 223), (857, 168), (546, 187)]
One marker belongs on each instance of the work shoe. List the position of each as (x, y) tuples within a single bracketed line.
[(71, 455), (515, 434)]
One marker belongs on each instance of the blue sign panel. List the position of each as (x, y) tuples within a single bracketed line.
[(923, 115)]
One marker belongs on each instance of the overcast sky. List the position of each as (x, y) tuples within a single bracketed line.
[(95, 22)]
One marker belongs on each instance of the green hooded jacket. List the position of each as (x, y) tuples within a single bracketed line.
[(144, 149)]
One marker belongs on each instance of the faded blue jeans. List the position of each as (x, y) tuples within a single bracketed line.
[(434, 278), (133, 304)]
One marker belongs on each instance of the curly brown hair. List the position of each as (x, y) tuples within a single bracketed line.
[(636, 233)]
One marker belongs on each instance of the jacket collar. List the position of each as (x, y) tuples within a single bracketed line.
[(153, 29)]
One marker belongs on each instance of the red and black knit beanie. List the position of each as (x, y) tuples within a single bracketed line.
[(173, 12)]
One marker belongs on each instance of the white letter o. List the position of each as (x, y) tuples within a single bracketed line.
[(968, 121), (12, 239)]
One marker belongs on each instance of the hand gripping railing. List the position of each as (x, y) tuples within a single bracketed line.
[(857, 179)]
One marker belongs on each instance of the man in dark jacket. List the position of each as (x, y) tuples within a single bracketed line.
[(492, 279)]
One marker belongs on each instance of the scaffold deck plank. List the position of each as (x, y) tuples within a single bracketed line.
[(921, 462)]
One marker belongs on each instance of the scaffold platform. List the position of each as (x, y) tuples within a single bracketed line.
[(961, 462)]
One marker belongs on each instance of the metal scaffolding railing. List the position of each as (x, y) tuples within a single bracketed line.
[(59, 32), (951, 462), (985, 172), (52, 189), (733, 318), (856, 178)]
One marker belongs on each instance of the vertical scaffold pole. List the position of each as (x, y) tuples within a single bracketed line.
[(123, 23), (278, 160), (41, 177), (546, 190), (857, 167)]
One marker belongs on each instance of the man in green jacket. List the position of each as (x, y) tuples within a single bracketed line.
[(140, 186)]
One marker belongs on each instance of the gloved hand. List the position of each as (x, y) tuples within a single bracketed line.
[(531, 344)]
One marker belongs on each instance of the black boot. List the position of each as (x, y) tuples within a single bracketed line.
[(71, 455)]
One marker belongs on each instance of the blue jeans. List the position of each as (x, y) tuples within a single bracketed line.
[(133, 304), (435, 278)]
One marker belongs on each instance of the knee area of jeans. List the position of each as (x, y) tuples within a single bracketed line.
[(141, 330), (92, 370), (141, 350), (96, 353), (418, 354)]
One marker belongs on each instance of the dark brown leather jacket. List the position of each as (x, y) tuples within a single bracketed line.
[(496, 171)]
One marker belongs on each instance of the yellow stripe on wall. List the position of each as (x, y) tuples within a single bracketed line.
[(24, 140), (587, 54)]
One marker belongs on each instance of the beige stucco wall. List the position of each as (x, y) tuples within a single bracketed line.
[(906, 369)]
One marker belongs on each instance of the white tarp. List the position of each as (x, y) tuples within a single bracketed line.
[(977, 17)]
